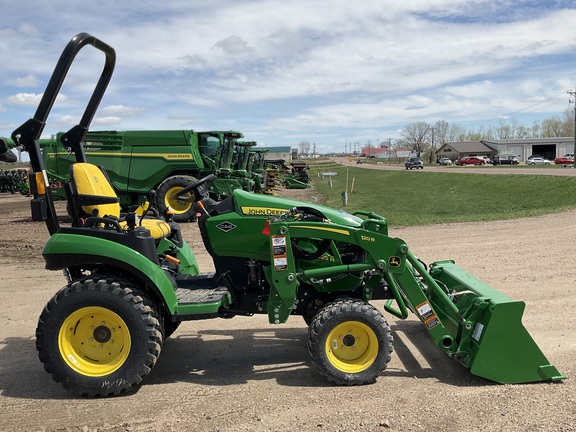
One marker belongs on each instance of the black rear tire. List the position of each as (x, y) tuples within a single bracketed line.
[(350, 342), (99, 336)]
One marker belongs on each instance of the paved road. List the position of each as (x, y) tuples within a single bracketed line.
[(487, 169)]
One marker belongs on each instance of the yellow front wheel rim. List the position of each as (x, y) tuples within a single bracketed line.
[(171, 200), (352, 347), (94, 341)]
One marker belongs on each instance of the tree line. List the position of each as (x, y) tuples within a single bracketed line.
[(420, 137), (425, 138)]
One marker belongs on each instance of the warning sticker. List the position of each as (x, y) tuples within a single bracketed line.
[(432, 322), (425, 311), (279, 250), (279, 245), (279, 240), (280, 263)]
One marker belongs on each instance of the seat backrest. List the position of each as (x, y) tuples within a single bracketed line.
[(92, 187)]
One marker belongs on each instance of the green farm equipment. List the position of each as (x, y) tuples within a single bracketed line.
[(6, 155), (298, 177), (138, 161), (132, 278)]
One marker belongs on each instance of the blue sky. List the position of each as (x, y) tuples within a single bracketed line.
[(283, 71)]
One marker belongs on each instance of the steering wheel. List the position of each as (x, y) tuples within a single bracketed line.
[(198, 193)]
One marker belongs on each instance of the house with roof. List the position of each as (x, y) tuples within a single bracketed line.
[(458, 150)]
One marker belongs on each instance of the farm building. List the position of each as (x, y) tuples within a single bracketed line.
[(276, 153), (549, 148)]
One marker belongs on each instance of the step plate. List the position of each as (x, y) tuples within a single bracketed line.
[(200, 296)]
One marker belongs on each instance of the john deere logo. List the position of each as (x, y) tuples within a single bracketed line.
[(226, 226), (394, 261)]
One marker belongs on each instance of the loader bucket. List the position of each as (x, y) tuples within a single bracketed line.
[(490, 336)]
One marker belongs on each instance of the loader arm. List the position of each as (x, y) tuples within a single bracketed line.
[(473, 323)]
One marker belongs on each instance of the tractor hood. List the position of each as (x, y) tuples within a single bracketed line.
[(250, 204)]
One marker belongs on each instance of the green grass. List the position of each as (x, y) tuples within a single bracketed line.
[(420, 198)]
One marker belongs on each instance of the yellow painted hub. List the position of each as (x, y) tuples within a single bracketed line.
[(94, 341), (352, 347), (170, 200)]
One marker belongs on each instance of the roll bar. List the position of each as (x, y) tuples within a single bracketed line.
[(28, 134)]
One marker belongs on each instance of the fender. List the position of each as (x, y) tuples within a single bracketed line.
[(65, 250)]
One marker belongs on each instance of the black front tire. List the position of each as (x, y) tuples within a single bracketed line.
[(99, 336), (166, 196), (350, 342)]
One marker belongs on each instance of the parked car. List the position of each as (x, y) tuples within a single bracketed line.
[(505, 160), (486, 159), (414, 163), (470, 160), (567, 159), (445, 161), (535, 156), (538, 161)]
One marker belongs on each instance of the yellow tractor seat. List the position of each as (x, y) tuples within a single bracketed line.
[(95, 195)]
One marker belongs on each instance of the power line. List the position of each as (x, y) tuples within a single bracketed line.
[(528, 107), (536, 104)]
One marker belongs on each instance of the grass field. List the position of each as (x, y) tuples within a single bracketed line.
[(419, 197)]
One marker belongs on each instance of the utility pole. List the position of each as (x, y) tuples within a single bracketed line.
[(572, 93), (432, 146)]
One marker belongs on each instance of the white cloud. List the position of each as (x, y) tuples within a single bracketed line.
[(26, 81), (122, 110), (25, 99), (107, 121), (31, 99)]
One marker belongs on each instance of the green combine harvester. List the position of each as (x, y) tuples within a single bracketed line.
[(132, 278), (138, 161)]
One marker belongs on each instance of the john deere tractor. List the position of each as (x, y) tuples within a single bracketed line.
[(132, 278)]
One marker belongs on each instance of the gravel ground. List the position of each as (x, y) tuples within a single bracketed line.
[(246, 375)]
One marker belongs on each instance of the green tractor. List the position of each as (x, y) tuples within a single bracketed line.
[(132, 278)]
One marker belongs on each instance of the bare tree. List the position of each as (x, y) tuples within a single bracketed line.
[(441, 130), (522, 132), (568, 122), (505, 130), (304, 147), (535, 130), (416, 136), (552, 127), (456, 133)]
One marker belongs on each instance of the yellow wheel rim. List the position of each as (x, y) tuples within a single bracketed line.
[(94, 341), (170, 200), (352, 347)]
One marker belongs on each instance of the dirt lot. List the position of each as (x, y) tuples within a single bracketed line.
[(246, 375)]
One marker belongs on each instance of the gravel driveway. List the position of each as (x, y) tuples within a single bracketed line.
[(246, 375)]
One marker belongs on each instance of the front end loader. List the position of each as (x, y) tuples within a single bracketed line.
[(132, 278)]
